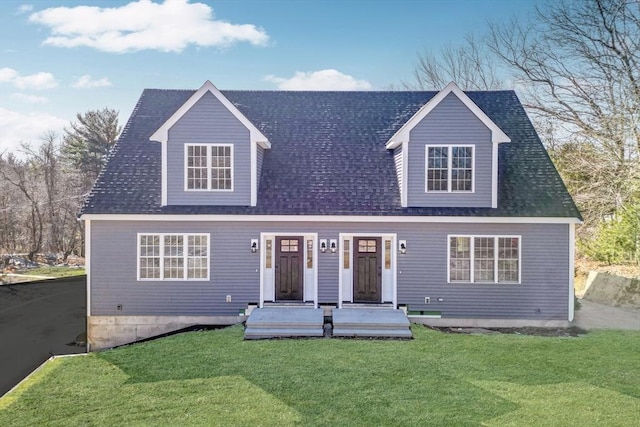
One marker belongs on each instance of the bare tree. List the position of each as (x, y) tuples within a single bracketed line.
[(25, 176), (61, 196), (471, 65), (577, 66)]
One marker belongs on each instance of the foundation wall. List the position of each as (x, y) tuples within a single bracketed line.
[(110, 331)]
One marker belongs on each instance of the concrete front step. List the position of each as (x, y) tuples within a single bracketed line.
[(372, 322), (273, 322)]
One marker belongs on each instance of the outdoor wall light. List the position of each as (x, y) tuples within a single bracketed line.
[(323, 245), (333, 245), (254, 245), (402, 246)]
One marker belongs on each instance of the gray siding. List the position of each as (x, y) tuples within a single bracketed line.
[(451, 122), (207, 122), (259, 160), (397, 159), (422, 271)]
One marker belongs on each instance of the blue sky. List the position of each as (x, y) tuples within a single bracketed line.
[(59, 58)]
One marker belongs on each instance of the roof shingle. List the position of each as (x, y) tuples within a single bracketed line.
[(332, 145)]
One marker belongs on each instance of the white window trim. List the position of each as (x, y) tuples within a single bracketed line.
[(495, 261), (208, 189), (450, 168), (185, 242)]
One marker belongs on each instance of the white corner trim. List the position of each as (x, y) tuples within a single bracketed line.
[(572, 261), (494, 176), (254, 173), (87, 261), (162, 134), (164, 178), (403, 134), (405, 175)]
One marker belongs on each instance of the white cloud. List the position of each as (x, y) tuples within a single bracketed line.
[(85, 82), (25, 8), (34, 81), (17, 127), (170, 26), (319, 80), (30, 99)]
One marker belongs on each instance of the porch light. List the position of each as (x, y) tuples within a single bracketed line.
[(333, 245), (254, 245), (402, 246), (323, 245)]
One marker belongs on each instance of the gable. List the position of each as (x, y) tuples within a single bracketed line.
[(162, 133), (454, 121), (403, 134)]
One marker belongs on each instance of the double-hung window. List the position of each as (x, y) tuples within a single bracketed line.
[(173, 256), (449, 168), (209, 167), (484, 259)]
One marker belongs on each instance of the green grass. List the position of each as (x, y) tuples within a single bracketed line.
[(54, 271), (216, 378)]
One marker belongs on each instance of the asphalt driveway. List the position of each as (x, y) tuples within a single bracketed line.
[(37, 320)]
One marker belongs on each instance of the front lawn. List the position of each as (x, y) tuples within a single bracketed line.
[(215, 378)]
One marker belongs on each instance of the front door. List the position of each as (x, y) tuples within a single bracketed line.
[(289, 264), (367, 271)]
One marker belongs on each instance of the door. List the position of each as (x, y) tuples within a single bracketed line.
[(367, 269), (289, 264)]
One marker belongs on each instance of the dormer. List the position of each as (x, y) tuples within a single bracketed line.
[(446, 154), (211, 153)]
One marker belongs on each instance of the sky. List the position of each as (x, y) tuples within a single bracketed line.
[(59, 58)]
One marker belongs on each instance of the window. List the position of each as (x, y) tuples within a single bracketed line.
[(449, 168), (309, 253), (268, 253), (387, 254), (173, 256), (346, 253), (209, 167), (484, 259)]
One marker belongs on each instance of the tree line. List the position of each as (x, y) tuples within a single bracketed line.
[(42, 189)]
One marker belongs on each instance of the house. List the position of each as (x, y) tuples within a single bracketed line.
[(213, 202)]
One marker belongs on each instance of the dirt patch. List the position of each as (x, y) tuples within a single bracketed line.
[(541, 332)]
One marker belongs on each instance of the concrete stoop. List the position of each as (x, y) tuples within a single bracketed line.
[(371, 323), (284, 322)]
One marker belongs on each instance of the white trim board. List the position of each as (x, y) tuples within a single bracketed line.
[(87, 261), (333, 218), (572, 262)]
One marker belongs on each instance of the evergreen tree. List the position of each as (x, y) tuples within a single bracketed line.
[(88, 141)]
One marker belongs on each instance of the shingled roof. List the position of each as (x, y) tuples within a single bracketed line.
[(332, 147)]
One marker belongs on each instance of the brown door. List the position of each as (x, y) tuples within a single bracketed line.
[(367, 269), (289, 258)]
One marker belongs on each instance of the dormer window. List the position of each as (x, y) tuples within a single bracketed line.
[(209, 167), (449, 168)]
